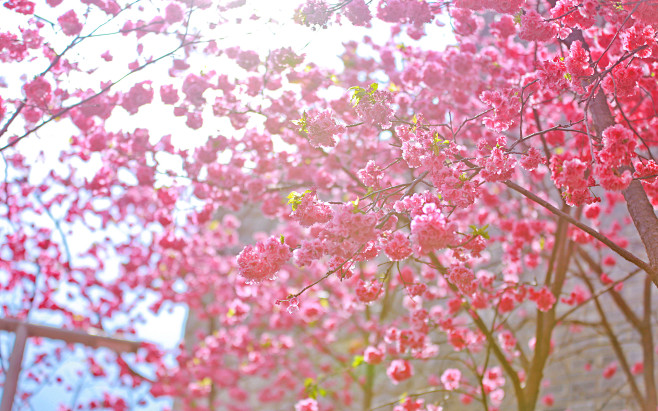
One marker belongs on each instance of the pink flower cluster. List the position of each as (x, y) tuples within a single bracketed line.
[(506, 106), (399, 370), (307, 404), (622, 81), (612, 179), (618, 146), (552, 75), (311, 211), (38, 91), (431, 231), (309, 251), (313, 13), (498, 166), (451, 379), (398, 246), (501, 6), (504, 27), (358, 13), (638, 36), (534, 28), (376, 110), (71, 26), (532, 159), (572, 15), (247, 59), (463, 278), (577, 63), (543, 298), (404, 11), (368, 291), (138, 95), (322, 128), (263, 261), (569, 173), (283, 58), (355, 225), (371, 175), (373, 355)]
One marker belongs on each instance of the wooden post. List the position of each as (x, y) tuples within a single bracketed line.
[(24, 330)]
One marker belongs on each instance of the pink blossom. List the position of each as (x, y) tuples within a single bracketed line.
[(622, 81), (404, 11), (38, 91), (543, 298), (451, 379), (193, 88), (464, 21), (498, 166), (618, 146), (506, 106), (168, 94), (577, 63), (368, 291), (638, 36), (569, 17), (534, 28), (373, 355), (371, 174), (309, 251), (552, 74), (611, 179), (322, 128), (20, 6), (313, 13), (248, 60), (263, 261), (637, 368), (376, 110), (463, 278), (504, 27), (173, 13), (410, 404), (358, 13), (284, 58), (139, 95), (71, 26), (311, 211), (307, 404), (548, 400), (430, 231), (532, 159), (398, 247), (399, 370), (610, 370)]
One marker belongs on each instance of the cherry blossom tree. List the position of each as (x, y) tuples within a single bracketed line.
[(421, 229)]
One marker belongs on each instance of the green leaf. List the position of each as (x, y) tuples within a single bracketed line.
[(295, 199), (358, 360), (302, 123), (482, 232), (373, 87), (355, 210), (282, 239), (517, 18), (359, 93)]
